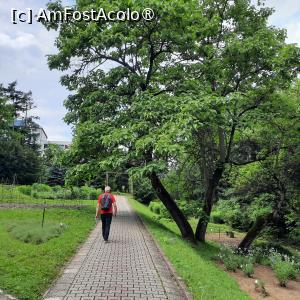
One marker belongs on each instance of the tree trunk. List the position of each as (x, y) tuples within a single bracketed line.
[(181, 221), (254, 231), (213, 182)]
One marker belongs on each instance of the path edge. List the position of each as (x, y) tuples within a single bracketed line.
[(171, 268), (65, 268)]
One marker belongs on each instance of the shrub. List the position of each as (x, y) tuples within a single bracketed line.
[(268, 248), (155, 207), (65, 194), (46, 195), (40, 187), (77, 193), (84, 192), (284, 271), (25, 189), (258, 255), (216, 217), (284, 268), (94, 194), (233, 215), (190, 208), (57, 188), (89, 193), (230, 260)]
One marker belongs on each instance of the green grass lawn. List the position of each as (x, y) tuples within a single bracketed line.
[(28, 269), (193, 262)]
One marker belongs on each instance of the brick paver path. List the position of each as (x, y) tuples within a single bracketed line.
[(130, 266)]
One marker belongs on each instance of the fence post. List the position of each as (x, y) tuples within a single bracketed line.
[(43, 219)]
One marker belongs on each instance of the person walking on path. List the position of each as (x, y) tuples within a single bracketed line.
[(107, 207)]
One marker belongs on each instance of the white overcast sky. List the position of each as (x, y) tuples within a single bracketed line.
[(23, 50)]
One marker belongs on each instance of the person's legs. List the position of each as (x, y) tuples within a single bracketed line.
[(108, 218), (103, 219)]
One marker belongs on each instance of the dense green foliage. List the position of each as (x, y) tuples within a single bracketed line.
[(55, 169), (19, 156), (205, 105), (142, 190), (43, 191), (190, 209), (18, 163)]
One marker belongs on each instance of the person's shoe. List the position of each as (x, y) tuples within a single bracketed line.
[(106, 241)]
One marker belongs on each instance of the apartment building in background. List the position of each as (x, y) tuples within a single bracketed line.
[(41, 137)]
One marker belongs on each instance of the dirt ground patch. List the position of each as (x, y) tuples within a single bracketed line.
[(222, 238), (266, 274), (276, 292)]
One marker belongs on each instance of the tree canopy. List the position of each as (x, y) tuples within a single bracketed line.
[(198, 81), (19, 156)]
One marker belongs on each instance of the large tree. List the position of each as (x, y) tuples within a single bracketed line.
[(19, 157), (6, 115), (20, 105), (19, 164)]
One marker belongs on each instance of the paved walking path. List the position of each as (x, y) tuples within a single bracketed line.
[(130, 266)]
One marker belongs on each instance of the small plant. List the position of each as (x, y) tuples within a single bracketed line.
[(224, 251), (284, 268), (229, 258), (260, 287), (231, 262), (248, 268), (284, 271)]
